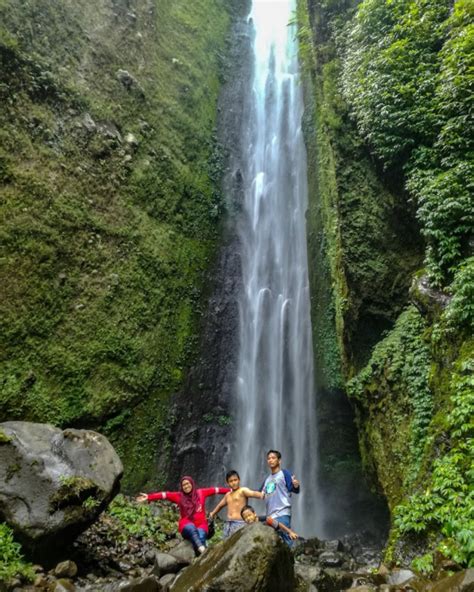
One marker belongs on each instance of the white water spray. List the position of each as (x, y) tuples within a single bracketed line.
[(275, 386)]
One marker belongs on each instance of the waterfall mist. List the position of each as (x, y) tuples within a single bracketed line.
[(275, 398)]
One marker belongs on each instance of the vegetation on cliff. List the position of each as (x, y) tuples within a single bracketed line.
[(109, 213), (392, 82)]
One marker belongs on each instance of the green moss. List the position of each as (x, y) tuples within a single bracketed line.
[(4, 438), (11, 471), (73, 491), (363, 245), (105, 245)]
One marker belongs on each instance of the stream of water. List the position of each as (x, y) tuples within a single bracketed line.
[(275, 384)]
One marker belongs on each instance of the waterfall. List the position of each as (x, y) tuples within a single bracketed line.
[(275, 398)]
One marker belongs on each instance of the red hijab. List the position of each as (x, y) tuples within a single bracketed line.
[(190, 503)]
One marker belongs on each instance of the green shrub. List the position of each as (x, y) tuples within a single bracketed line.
[(12, 564), (138, 520), (408, 76)]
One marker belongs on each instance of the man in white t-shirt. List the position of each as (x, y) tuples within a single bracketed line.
[(277, 488)]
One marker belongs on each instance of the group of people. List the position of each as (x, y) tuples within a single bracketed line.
[(276, 490)]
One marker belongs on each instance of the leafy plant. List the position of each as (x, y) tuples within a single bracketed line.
[(139, 520), (12, 564)]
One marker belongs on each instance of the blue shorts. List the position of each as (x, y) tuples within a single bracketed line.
[(231, 526)]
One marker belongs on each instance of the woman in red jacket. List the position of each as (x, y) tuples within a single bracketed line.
[(191, 502)]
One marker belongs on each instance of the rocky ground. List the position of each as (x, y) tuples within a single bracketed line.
[(102, 560)]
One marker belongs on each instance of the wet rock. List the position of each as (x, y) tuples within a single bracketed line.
[(308, 573), (165, 564), (47, 476), (460, 582), (65, 569), (183, 553), (330, 559), (63, 586), (333, 580), (145, 584), (333, 546), (428, 300), (254, 559), (400, 576), (167, 581)]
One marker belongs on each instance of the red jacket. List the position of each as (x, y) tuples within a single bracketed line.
[(199, 518)]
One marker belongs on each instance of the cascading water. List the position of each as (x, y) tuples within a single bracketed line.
[(275, 387)]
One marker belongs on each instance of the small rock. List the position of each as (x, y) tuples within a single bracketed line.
[(41, 581), (400, 576), (146, 584), (330, 559), (64, 586), (124, 566), (167, 581), (131, 141), (333, 546), (88, 123), (165, 564), (65, 569), (183, 553)]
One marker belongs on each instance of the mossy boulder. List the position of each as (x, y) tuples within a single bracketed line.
[(254, 559), (54, 483)]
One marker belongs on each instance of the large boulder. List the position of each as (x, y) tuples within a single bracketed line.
[(54, 483), (254, 559)]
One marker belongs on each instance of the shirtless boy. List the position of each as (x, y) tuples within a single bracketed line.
[(235, 500)]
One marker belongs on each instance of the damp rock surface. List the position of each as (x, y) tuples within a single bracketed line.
[(254, 559), (54, 483)]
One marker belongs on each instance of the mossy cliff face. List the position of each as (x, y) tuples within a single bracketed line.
[(384, 139), (108, 171)]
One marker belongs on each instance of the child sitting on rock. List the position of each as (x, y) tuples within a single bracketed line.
[(235, 500), (249, 516)]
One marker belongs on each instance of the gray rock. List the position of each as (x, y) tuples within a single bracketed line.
[(129, 81), (131, 141), (428, 300), (88, 123), (334, 545), (65, 569), (400, 576), (126, 78), (330, 559), (183, 553), (308, 573), (167, 581), (165, 564), (63, 586), (254, 559), (54, 483), (145, 584)]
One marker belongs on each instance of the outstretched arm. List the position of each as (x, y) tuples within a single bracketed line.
[(251, 493), (207, 491), (219, 507), (171, 496)]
